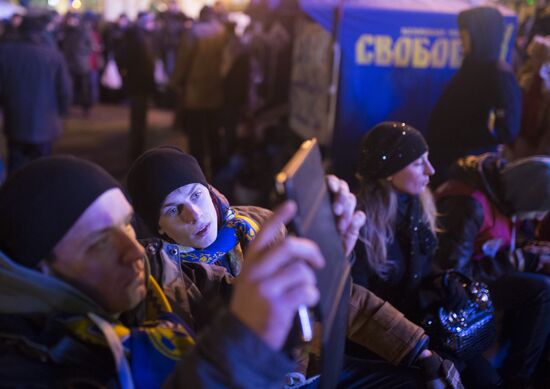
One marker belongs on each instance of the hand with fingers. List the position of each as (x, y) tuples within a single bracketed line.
[(275, 280), (348, 220)]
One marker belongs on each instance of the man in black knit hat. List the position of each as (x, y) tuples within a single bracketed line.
[(197, 248), (70, 266)]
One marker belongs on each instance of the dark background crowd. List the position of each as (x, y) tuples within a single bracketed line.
[(227, 85), (221, 79)]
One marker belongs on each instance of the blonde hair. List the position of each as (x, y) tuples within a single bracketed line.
[(378, 199)]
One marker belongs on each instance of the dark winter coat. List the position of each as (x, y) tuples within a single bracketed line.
[(480, 107), (35, 90), (37, 350), (197, 72), (473, 210), (137, 61), (411, 256), (76, 45)]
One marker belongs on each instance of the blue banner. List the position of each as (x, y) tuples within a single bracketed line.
[(397, 56)]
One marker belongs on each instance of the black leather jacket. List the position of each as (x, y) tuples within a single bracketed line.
[(461, 217)]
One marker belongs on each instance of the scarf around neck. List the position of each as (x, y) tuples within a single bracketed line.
[(236, 229)]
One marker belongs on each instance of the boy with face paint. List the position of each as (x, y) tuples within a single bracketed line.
[(198, 232), (74, 267)]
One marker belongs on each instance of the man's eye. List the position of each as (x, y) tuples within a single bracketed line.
[(196, 195), (100, 243), (172, 211)]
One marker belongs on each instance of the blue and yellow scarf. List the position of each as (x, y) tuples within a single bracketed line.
[(236, 229), (144, 355)]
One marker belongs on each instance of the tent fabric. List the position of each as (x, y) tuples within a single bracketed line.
[(397, 56), (321, 10)]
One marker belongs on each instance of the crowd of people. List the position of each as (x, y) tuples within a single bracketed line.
[(162, 281), (215, 75)]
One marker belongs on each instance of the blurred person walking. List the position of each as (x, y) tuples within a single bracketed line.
[(76, 44), (35, 91), (198, 78), (137, 66)]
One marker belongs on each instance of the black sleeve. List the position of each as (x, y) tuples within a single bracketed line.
[(63, 86), (460, 219), (507, 107)]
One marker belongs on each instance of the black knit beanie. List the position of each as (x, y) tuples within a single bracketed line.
[(157, 173), (389, 147), (43, 200)]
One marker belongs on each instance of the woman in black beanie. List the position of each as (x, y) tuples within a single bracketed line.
[(394, 172), (394, 257)]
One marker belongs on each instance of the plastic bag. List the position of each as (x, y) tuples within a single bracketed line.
[(111, 78), (161, 78)]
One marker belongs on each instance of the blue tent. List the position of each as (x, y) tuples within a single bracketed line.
[(397, 56)]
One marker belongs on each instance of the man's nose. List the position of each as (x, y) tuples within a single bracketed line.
[(133, 250), (190, 213)]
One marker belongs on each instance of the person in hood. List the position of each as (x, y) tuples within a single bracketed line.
[(70, 266), (480, 108), (481, 208)]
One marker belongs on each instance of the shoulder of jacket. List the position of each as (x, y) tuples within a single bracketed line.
[(259, 214)]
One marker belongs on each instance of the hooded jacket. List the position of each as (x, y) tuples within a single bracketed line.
[(37, 349), (476, 207), (481, 106), (33, 97)]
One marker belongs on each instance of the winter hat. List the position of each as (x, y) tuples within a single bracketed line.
[(156, 174), (526, 184), (42, 201), (389, 147)]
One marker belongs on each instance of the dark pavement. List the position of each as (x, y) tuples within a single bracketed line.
[(102, 137)]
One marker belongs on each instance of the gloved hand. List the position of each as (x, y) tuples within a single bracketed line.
[(454, 296), (439, 372)]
